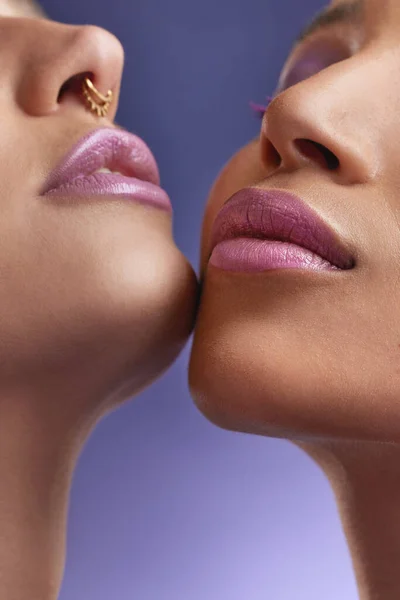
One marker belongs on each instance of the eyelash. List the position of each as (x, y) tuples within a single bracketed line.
[(259, 109)]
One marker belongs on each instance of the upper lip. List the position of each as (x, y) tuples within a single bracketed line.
[(110, 148), (279, 215)]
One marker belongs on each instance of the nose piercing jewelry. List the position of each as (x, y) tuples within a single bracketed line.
[(96, 102)]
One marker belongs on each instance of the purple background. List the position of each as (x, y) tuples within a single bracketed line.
[(166, 506)]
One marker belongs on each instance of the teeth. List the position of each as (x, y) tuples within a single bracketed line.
[(105, 170)]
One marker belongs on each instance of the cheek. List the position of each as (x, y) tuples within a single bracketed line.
[(242, 170)]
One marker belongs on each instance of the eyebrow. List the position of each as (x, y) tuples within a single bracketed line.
[(346, 12)]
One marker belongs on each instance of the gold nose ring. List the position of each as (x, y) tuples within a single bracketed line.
[(95, 100)]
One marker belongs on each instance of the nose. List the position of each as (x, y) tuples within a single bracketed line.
[(51, 72), (318, 123)]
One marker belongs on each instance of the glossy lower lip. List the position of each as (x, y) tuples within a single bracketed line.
[(117, 186), (116, 150), (259, 230)]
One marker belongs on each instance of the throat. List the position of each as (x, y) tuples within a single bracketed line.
[(365, 478), (36, 466)]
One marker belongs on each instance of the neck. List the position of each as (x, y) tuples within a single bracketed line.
[(37, 458), (365, 478)]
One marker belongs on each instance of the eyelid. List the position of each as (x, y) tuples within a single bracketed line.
[(325, 50), (335, 48)]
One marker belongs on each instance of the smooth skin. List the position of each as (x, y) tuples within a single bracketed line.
[(96, 299), (314, 357)]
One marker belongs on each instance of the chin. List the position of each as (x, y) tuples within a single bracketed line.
[(256, 368), (98, 323), (146, 314), (152, 318)]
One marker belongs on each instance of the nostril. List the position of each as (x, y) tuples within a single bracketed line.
[(270, 154), (317, 153), (72, 85)]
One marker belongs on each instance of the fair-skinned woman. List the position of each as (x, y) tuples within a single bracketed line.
[(96, 300), (298, 335)]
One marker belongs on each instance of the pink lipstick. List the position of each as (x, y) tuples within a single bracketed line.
[(259, 230), (109, 162)]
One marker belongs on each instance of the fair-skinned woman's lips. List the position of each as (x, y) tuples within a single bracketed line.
[(109, 162), (260, 230)]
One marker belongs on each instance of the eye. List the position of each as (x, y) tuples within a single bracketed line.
[(302, 65), (310, 61)]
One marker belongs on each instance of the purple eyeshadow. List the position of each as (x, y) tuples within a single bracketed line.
[(313, 61), (304, 69)]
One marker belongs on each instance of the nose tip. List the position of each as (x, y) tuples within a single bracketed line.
[(305, 126), (71, 52)]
